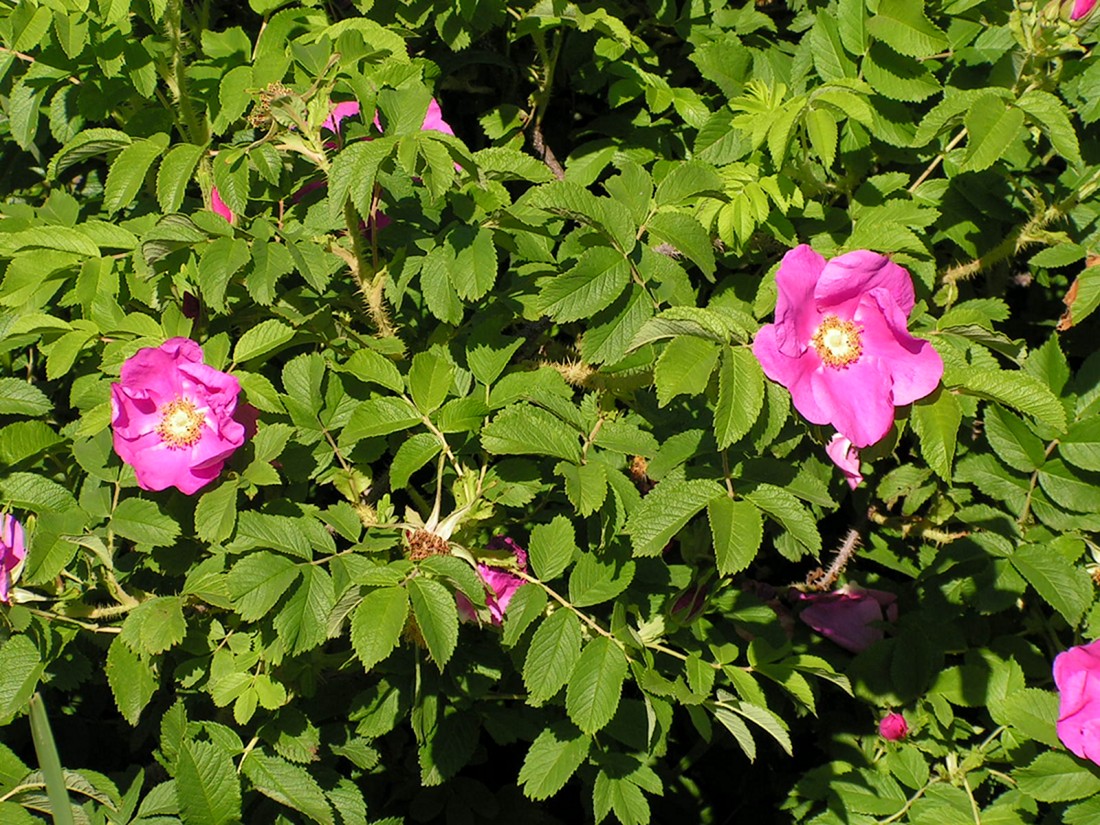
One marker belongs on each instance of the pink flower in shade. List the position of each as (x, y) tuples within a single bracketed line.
[(846, 457), (849, 616), (840, 344), (500, 585), (1077, 675), (1081, 8), (175, 420), (340, 112), (218, 206), (12, 552), (893, 727)]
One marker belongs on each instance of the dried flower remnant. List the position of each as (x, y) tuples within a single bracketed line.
[(840, 342), (176, 420)]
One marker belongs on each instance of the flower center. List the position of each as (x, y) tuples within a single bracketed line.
[(837, 342), (180, 424)]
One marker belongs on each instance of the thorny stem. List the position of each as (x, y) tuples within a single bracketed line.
[(541, 100), (95, 628), (196, 131), (247, 750), (580, 614), (841, 558)]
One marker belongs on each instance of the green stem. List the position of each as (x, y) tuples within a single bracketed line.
[(50, 763)]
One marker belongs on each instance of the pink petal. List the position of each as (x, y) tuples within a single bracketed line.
[(914, 366), (793, 373), (433, 119), (340, 112), (849, 618), (1081, 8), (848, 276), (857, 399), (13, 550), (846, 457), (796, 315), (219, 207), (1077, 676)]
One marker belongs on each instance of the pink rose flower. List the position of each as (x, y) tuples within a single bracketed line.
[(500, 585), (1077, 675), (893, 727), (12, 552), (849, 616), (840, 343), (218, 206), (846, 457), (175, 420), (1081, 8)]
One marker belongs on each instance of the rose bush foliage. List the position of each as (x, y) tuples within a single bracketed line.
[(528, 397)]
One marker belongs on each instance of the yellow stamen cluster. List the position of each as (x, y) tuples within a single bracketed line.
[(180, 424), (837, 342)]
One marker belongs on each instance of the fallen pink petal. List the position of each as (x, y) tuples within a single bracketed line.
[(174, 419), (851, 616), (840, 342)]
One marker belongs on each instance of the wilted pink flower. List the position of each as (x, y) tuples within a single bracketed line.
[(1081, 8), (500, 585), (12, 552), (218, 206), (1077, 675), (846, 457), (849, 616), (176, 420), (893, 727), (840, 344)]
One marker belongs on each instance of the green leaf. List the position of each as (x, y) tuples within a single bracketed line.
[(288, 784), (435, 613), (379, 416), (22, 439), (555, 648), (86, 144), (528, 603), (377, 624), (1073, 489), (695, 321), (233, 178), (430, 378), (128, 171), (155, 625), (1081, 444), (131, 679), (21, 667), (218, 263), (686, 181), (596, 685), (610, 333), (1061, 584), (903, 26), (737, 529), (553, 758), (665, 511), (373, 367), (1050, 114), (206, 784), (258, 581), (684, 368), (598, 278), (216, 513), (597, 579), (992, 128), (1014, 389), (17, 397), (303, 623), (33, 492), (143, 523), (56, 779), (1032, 712), (687, 236), (936, 420), (1057, 777), (789, 513), (523, 429), (898, 77), (822, 129), (585, 484), (175, 174), (552, 548), (1012, 441), (414, 453), (572, 201), (621, 796), (354, 172), (282, 533), (262, 339), (474, 270), (740, 396)]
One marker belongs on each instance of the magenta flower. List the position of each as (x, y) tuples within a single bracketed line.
[(849, 616), (219, 207), (500, 585), (1077, 675), (12, 552), (893, 727), (1081, 8), (840, 344), (175, 420), (846, 457)]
